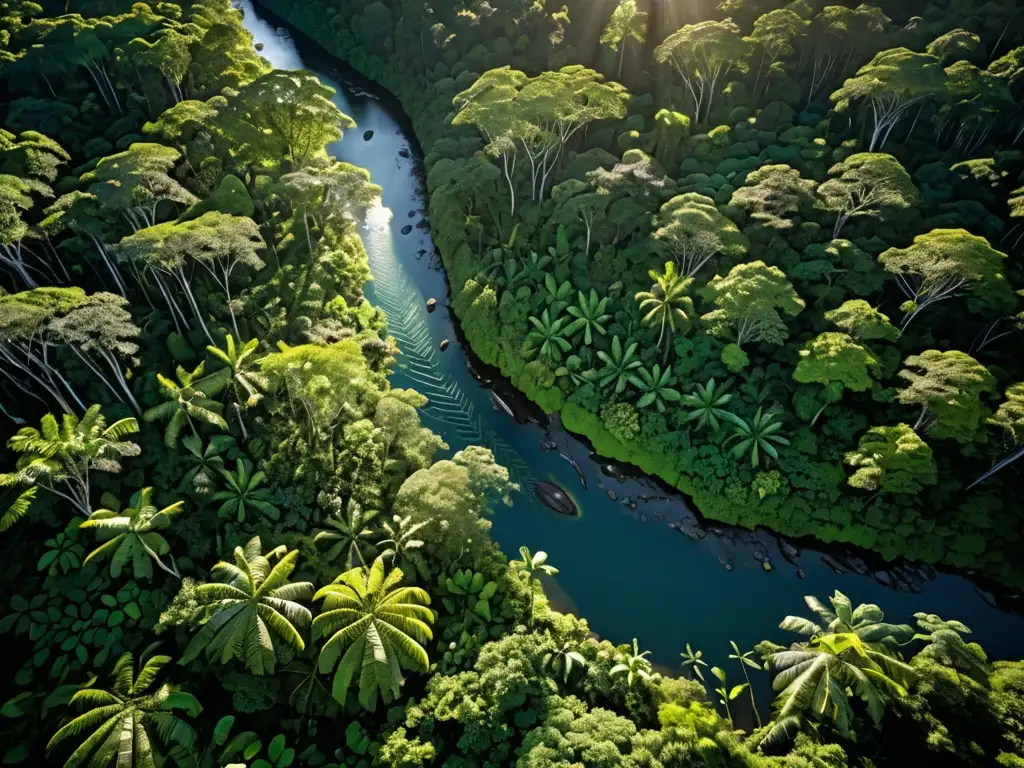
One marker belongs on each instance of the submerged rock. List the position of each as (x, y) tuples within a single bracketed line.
[(800, 573), (613, 495), (259, 46), (404, 152), (407, 229), (549, 445), (722, 559), (412, 214), (368, 135), (431, 304), (883, 578), (554, 498)]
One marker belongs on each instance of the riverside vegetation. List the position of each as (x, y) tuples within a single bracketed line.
[(814, 211), (232, 543)]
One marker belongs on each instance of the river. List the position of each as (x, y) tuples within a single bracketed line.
[(623, 569)]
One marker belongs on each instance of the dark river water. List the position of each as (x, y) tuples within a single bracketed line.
[(623, 569)]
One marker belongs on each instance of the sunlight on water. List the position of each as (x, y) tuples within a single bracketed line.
[(378, 218)]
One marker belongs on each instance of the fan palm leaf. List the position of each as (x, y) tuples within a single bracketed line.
[(373, 629), (250, 604)]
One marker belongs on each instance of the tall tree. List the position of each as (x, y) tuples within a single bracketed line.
[(693, 231), (948, 386), (774, 195), (942, 264), (748, 302), (835, 359), (892, 460), (841, 36), (703, 55), (892, 83), (282, 116), (868, 184), (776, 33), (625, 22)]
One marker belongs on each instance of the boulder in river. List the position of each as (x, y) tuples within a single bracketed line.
[(431, 304), (831, 563), (407, 229), (549, 445), (800, 573), (725, 562), (259, 46), (368, 135), (767, 565), (556, 499), (788, 549), (443, 345), (883, 578)]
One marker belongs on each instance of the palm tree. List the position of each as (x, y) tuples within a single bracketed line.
[(188, 400), (350, 535), (241, 376), (204, 463), (946, 644), (244, 492), (654, 386), (707, 403), (816, 680), (590, 315), (252, 602), (59, 458), (667, 303), (548, 336), (132, 536), (126, 723), (867, 621), (634, 665), (692, 658), (531, 566), (745, 659), (556, 296), (374, 628), (402, 546), (618, 362), (536, 266), (563, 660), (757, 437)]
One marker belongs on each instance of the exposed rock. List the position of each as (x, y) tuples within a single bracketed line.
[(767, 566), (691, 529), (368, 135), (883, 578), (857, 565), (259, 46), (836, 567), (549, 445), (431, 304), (612, 495), (407, 229), (611, 470), (800, 573), (556, 499), (443, 345), (788, 549), (759, 555)]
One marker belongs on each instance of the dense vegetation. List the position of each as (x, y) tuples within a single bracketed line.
[(814, 210), (231, 543)]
